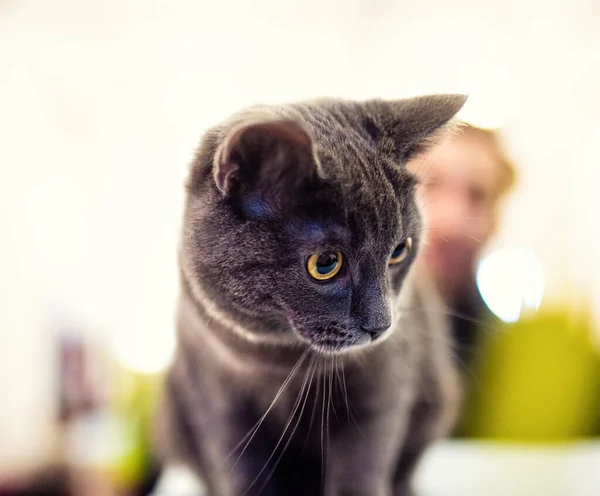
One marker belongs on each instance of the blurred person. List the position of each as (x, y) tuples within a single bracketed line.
[(464, 180)]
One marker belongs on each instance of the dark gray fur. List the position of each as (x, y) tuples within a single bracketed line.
[(267, 189)]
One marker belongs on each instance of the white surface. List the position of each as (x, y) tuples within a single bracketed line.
[(476, 469), (484, 469), (178, 481)]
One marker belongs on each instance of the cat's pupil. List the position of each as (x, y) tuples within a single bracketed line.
[(326, 262), (399, 249)]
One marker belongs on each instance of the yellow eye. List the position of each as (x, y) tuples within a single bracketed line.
[(401, 252), (323, 266)]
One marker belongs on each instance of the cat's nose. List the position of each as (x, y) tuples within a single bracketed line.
[(376, 332)]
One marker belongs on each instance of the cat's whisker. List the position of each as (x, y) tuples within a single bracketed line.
[(441, 224), (464, 365), (426, 159), (461, 233), (327, 424), (458, 347), (314, 408), (479, 322), (322, 433), (339, 367), (423, 160), (406, 371), (430, 227), (421, 206), (354, 421), (441, 237), (252, 432), (462, 316), (471, 237), (331, 384), (312, 368), (349, 409), (345, 389), (281, 437), (306, 384)]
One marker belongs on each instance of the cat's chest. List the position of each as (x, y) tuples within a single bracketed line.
[(335, 393)]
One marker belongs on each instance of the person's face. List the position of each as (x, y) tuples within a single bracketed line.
[(459, 180)]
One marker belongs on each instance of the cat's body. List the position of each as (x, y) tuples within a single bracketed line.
[(362, 354)]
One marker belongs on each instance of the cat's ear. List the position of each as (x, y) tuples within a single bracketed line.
[(266, 156), (408, 127)]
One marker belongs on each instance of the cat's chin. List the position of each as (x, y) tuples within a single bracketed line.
[(337, 338), (333, 345)]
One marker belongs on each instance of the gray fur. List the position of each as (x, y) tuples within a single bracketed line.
[(267, 189)]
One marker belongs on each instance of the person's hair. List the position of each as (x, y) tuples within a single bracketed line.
[(493, 141)]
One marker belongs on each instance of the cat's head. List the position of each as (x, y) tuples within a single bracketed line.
[(301, 220)]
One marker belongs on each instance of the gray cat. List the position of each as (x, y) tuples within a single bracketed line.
[(312, 355)]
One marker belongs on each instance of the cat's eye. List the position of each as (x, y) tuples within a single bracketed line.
[(324, 266), (401, 252)]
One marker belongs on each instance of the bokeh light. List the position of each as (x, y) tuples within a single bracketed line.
[(145, 349), (511, 281)]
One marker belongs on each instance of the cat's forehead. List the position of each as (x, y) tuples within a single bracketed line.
[(360, 208), (371, 190), (348, 225), (348, 152), (374, 214)]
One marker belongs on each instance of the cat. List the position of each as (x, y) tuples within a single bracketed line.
[(312, 351)]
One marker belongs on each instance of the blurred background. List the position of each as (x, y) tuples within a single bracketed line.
[(101, 107)]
